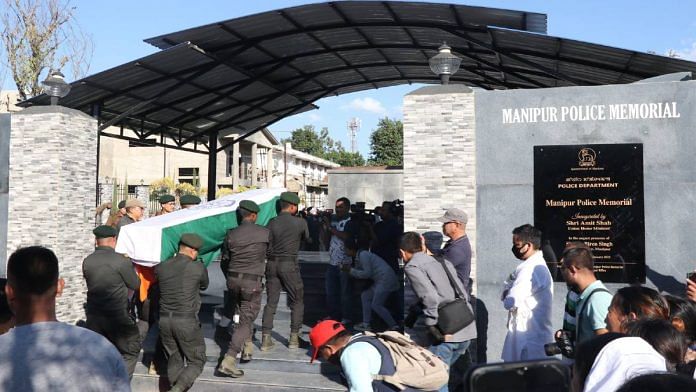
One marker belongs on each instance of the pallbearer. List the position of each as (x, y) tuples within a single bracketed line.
[(168, 204), (109, 276), (244, 259), (181, 278), (282, 270)]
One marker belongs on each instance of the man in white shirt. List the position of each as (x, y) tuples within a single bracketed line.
[(528, 295), (42, 354), (338, 289)]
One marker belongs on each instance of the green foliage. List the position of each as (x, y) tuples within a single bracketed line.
[(184, 188), (306, 139), (243, 188), (222, 192), (386, 143), (345, 158), (320, 144), (160, 187)]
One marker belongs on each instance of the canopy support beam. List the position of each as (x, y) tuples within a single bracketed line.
[(212, 164)]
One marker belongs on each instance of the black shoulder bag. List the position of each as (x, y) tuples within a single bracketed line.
[(455, 315)]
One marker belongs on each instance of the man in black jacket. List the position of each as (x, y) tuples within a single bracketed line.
[(243, 260), (109, 276), (181, 278), (287, 232)]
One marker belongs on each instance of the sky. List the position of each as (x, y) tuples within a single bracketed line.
[(118, 29)]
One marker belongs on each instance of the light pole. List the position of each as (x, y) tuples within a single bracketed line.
[(444, 64), (55, 86)]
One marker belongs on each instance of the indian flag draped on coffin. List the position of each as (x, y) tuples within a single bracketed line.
[(156, 239)]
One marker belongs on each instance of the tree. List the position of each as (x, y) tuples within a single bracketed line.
[(38, 35), (386, 143), (306, 139), (345, 158)]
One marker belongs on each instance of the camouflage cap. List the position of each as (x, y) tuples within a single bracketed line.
[(121, 204), (189, 199), (166, 199), (249, 205), (104, 231), (191, 240), (290, 197)]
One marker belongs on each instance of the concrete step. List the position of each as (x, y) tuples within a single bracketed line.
[(254, 380), (276, 370)]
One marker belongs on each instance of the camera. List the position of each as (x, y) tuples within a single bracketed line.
[(563, 345)]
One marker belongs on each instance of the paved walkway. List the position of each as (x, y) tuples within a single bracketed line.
[(279, 370)]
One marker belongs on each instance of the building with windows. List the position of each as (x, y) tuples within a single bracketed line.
[(258, 161)]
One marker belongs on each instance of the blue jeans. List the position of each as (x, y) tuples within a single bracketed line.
[(338, 293), (449, 353), (373, 299)]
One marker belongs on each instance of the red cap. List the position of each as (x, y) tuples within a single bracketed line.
[(322, 333)]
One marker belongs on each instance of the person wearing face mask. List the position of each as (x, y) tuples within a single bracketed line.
[(527, 296)]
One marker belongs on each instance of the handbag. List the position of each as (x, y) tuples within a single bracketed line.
[(455, 315)]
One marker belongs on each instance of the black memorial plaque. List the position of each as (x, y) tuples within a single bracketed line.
[(593, 193)]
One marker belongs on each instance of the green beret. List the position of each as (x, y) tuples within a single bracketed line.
[(290, 197), (191, 240), (166, 199), (121, 204), (189, 199), (104, 231), (249, 205)]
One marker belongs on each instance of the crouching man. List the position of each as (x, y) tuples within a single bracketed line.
[(378, 362)]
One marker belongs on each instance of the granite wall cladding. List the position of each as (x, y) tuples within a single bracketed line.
[(505, 175), (4, 186), (52, 190), (439, 158)]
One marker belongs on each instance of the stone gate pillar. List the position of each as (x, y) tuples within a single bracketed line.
[(52, 192), (439, 158)]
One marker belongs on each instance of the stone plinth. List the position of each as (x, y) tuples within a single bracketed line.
[(52, 190), (439, 158), (4, 186)]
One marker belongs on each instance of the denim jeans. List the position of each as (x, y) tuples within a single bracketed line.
[(373, 299), (449, 353), (338, 293)]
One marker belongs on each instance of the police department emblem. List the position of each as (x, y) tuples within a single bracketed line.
[(587, 157)]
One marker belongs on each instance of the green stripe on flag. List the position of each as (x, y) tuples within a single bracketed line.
[(212, 230)]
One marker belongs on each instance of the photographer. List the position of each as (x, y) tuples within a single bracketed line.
[(386, 233), (577, 268)]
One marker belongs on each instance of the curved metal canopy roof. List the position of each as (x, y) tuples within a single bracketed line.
[(241, 75)]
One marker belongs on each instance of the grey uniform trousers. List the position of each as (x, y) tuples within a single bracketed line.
[(286, 275), (182, 339), (247, 293), (122, 331)]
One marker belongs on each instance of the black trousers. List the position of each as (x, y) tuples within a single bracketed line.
[(148, 314), (285, 275), (182, 339), (247, 293), (122, 331)]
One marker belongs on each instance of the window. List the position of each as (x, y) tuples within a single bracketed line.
[(189, 175), (188, 171)]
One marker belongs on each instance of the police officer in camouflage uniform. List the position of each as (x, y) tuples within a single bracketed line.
[(181, 278), (109, 276), (243, 257), (287, 233)]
